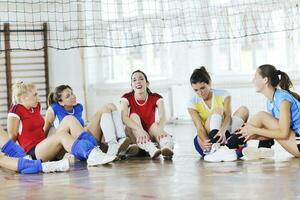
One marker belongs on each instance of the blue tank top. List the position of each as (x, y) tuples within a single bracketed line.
[(274, 108), (60, 113)]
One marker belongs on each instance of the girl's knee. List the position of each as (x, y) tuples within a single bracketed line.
[(68, 119), (244, 110), (112, 107), (134, 116)]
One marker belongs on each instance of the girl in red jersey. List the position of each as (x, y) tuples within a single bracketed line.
[(25, 125), (13, 157), (138, 114)]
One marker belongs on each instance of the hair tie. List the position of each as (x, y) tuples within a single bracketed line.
[(278, 72)]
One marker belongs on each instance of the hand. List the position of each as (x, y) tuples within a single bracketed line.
[(247, 131), (205, 144), (222, 136), (142, 137)]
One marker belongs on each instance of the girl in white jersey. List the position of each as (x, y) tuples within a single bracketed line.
[(282, 121)]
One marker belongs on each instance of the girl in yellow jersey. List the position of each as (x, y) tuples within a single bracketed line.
[(210, 110)]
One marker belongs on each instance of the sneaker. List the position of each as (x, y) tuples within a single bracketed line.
[(151, 149), (166, 146), (221, 154), (253, 153), (56, 166), (97, 157), (132, 150), (113, 149), (123, 144), (70, 157)]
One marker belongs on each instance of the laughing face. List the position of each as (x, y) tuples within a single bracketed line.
[(139, 83)]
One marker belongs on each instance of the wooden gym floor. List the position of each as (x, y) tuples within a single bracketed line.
[(185, 177)]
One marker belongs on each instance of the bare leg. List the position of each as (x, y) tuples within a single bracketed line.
[(51, 146), (132, 133), (266, 120), (8, 162), (70, 125), (129, 134), (94, 125), (155, 132)]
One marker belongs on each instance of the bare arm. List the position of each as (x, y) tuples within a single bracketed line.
[(49, 119), (13, 124), (227, 114), (201, 131), (162, 114), (280, 133), (126, 120)]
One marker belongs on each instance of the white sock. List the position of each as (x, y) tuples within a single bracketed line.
[(237, 123), (215, 122), (108, 128), (118, 125)]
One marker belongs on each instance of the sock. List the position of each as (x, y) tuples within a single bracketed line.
[(29, 166), (120, 132), (11, 149), (108, 128), (236, 123), (234, 141), (266, 143), (81, 149), (212, 134), (215, 121), (87, 136)]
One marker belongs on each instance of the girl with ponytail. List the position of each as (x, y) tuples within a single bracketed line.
[(282, 121)]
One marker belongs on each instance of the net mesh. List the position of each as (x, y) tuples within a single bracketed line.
[(132, 23)]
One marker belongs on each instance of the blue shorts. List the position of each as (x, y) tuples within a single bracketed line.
[(197, 146)]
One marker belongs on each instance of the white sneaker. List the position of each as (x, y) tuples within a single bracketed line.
[(123, 144), (151, 149), (70, 157), (132, 150), (166, 146), (253, 153), (97, 157), (113, 149), (56, 166), (221, 154)]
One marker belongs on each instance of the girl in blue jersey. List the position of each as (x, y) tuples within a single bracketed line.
[(106, 120), (282, 121)]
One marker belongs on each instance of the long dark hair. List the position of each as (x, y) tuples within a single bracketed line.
[(55, 96), (284, 81), (145, 76), (200, 75)]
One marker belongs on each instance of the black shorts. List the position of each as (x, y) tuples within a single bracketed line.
[(31, 152)]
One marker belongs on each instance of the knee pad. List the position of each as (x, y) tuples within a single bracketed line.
[(81, 149), (87, 136), (11, 149), (234, 141), (29, 166), (212, 134)]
